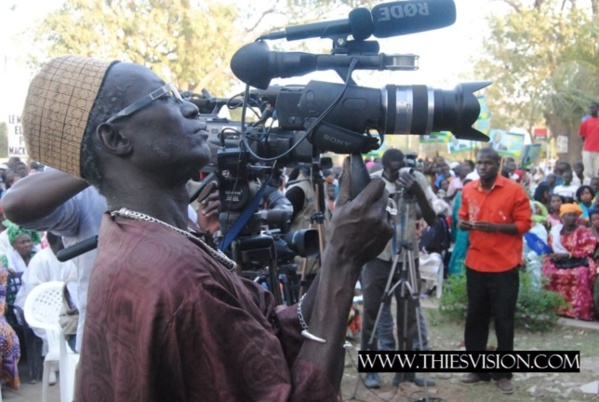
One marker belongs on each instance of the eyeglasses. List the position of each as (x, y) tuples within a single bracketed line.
[(165, 90)]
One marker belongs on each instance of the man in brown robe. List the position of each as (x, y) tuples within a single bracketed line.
[(167, 320)]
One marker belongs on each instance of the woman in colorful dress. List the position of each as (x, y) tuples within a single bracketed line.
[(10, 351), (570, 269)]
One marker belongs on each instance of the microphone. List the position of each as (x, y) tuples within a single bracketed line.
[(358, 24), (412, 16), (77, 249), (386, 20), (256, 65)]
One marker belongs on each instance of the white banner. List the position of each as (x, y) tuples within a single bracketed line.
[(16, 141), (562, 144)]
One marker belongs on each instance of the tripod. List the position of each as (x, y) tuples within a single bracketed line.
[(404, 284)]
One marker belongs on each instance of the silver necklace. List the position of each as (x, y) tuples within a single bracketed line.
[(138, 216)]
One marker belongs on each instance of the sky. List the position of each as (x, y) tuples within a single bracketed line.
[(444, 54)]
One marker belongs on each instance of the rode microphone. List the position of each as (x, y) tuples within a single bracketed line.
[(412, 16), (358, 24), (386, 20)]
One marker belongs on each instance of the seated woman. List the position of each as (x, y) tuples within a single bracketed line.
[(555, 203), (594, 226), (24, 245), (10, 351), (571, 269), (584, 196)]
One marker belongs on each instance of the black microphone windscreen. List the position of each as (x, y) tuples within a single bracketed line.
[(248, 64), (360, 21), (412, 16)]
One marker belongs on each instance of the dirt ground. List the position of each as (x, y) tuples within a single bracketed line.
[(445, 335)]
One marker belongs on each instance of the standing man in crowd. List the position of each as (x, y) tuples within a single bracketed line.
[(410, 191), (589, 131), (496, 211)]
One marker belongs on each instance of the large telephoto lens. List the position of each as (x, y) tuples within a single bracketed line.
[(394, 109), (421, 109)]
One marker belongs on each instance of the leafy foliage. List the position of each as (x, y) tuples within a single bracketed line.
[(535, 310), (523, 51), (187, 42), (536, 307), (189, 45)]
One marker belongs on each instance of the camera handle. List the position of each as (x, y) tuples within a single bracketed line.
[(359, 175)]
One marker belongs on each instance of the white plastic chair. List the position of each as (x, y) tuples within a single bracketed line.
[(68, 369), (431, 270), (42, 307)]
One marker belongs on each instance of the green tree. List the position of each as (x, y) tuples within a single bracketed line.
[(188, 44), (576, 79), (539, 56)]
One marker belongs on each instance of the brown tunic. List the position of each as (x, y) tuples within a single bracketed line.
[(166, 322)]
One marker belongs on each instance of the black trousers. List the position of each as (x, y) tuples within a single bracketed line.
[(375, 275), (491, 294)]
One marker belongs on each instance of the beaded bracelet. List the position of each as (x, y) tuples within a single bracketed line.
[(305, 333)]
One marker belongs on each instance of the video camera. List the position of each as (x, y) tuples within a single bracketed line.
[(338, 118)]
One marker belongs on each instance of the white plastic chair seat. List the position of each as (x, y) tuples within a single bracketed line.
[(431, 270), (42, 308)]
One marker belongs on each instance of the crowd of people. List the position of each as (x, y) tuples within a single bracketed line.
[(157, 293), (558, 243), (565, 207)]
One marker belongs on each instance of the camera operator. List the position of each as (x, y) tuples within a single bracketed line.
[(167, 319), (409, 189)]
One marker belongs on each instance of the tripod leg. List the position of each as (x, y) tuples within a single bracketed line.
[(405, 330), (385, 297)]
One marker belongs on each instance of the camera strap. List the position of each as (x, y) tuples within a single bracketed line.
[(243, 218)]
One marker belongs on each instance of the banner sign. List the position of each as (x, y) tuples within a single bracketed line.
[(455, 145), (531, 155), (16, 141), (436, 137), (562, 144), (540, 132), (483, 123), (507, 143)]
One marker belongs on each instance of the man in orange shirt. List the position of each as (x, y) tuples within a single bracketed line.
[(497, 213)]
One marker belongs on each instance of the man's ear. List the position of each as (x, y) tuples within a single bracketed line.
[(111, 139)]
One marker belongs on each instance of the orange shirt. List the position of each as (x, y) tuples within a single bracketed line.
[(506, 202)]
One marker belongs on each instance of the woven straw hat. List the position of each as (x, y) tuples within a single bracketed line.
[(57, 109)]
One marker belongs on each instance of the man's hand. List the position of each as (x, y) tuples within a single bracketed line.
[(559, 256), (465, 225), (407, 181), (484, 226), (361, 227)]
